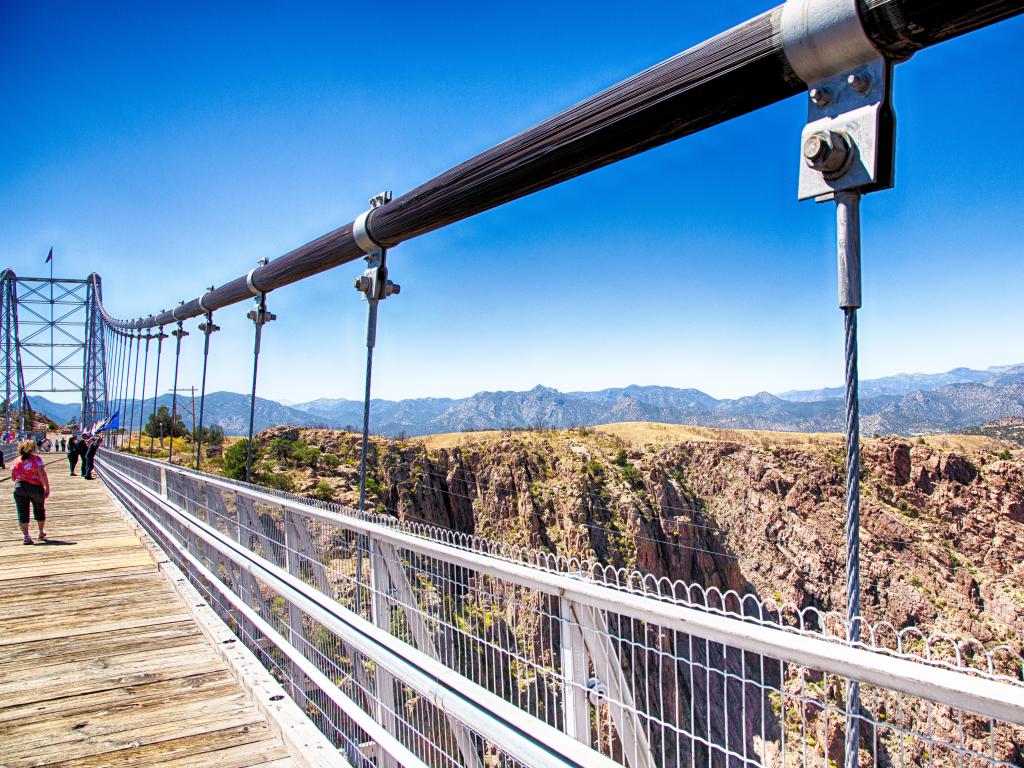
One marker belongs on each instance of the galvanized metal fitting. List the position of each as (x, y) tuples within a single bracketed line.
[(827, 152), (822, 97), (360, 230), (248, 278), (822, 38), (597, 690), (259, 314), (202, 299)]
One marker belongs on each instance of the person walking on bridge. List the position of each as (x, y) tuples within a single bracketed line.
[(92, 445), (73, 453), (31, 488)]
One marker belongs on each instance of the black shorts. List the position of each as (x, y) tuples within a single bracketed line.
[(26, 494)]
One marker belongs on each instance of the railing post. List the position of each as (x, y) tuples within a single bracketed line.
[(381, 616), (575, 707), (609, 674), (296, 631)]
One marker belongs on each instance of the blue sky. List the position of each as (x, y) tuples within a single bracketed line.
[(170, 148)]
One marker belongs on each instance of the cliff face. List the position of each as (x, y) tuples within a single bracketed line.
[(942, 526), (942, 531)]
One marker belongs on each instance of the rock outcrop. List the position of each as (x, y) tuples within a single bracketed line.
[(942, 530)]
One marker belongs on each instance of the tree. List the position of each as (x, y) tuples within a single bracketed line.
[(212, 436), (234, 459), (159, 424)]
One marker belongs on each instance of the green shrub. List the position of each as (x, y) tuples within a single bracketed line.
[(307, 455), (373, 486), (277, 480), (593, 468), (323, 491), (620, 458), (632, 476)]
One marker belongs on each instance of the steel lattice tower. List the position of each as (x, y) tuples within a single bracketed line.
[(51, 341)]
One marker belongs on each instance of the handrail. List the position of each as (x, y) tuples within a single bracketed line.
[(522, 736), (736, 72), (986, 697)]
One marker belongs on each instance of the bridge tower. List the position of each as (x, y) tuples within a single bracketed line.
[(51, 341)]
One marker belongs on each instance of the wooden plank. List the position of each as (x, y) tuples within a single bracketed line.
[(57, 630), (128, 695), (44, 653), (101, 664), (129, 754)]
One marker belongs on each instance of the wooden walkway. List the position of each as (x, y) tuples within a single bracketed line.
[(101, 663)]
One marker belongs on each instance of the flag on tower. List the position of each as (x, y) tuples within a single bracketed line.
[(49, 257)]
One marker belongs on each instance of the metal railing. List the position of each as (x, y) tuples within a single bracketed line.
[(454, 650)]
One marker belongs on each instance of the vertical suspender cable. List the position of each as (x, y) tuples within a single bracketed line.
[(112, 392), (371, 340), (252, 397), (124, 391), (374, 285), (160, 336), (848, 247), (207, 328), (259, 316), (178, 334), (142, 402), (135, 387)]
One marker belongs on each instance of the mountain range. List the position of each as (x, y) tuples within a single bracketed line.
[(902, 404)]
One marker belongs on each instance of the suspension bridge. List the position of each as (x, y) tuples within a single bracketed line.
[(355, 638)]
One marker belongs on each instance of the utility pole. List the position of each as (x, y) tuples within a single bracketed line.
[(192, 391)]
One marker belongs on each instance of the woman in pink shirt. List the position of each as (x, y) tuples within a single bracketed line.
[(31, 487)]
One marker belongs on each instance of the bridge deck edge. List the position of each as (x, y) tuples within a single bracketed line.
[(308, 747)]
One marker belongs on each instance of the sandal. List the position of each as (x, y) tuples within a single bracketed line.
[(42, 536), (28, 541)]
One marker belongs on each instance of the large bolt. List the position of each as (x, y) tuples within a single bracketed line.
[(827, 152), (821, 97)]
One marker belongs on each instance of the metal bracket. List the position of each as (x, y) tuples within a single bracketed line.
[(208, 327), (373, 283), (849, 140), (360, 230), (202, 306), (259, 314), (248, 278)]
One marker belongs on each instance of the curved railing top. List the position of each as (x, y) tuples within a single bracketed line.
[(734, 73)]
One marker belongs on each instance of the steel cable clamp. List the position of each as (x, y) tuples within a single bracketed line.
[(848, 143), (373, 283)]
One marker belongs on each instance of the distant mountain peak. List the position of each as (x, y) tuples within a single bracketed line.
[(911, 403)]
